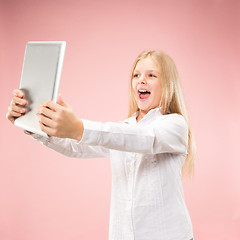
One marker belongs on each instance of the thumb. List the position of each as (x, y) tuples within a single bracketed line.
[(60, 101)]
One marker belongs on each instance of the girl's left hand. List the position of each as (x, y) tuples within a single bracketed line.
[(59, 120)]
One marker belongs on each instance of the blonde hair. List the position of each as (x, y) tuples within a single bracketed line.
[(172, 100)]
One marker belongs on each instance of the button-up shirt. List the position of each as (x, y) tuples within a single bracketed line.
[(147, 198)]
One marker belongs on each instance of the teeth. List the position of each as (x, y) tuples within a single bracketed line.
[(142, 90)]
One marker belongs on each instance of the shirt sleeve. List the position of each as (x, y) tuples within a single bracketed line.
[(71, 147), (165, 135)]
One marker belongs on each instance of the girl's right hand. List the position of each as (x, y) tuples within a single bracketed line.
[(16, 108)]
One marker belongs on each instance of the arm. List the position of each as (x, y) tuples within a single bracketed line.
[(71, 147), (169, 134)]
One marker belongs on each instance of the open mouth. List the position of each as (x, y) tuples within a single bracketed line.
[(143, 94)]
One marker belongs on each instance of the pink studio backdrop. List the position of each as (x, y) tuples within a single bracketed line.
[(48, 196)]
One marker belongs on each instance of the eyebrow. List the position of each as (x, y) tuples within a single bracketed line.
[(148, 71)]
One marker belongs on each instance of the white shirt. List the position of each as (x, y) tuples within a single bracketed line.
[(147, 199)]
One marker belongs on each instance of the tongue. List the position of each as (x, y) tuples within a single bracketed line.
[(144, 95)]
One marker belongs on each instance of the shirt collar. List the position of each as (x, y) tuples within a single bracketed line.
[(133, 118), (149, 112)]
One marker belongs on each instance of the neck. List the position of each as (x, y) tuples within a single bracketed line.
[(142, 113)]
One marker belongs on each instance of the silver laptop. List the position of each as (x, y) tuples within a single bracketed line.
[(40, 79)]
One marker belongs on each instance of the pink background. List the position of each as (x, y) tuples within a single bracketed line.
[(48, 196)]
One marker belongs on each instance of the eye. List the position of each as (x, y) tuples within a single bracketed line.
[(152, 75), (136, 75)]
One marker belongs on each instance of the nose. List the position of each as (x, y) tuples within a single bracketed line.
[(142, 80)]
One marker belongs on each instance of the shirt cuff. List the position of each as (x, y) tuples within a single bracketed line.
[(91, 132)]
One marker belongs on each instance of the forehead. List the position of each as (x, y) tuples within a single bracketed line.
[(146, 64)]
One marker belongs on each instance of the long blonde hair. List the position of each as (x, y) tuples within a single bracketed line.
[(172, 100)]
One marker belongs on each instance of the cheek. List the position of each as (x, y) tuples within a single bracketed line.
[(158, 89)]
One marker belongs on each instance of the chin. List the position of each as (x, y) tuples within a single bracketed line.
[(144, 108)]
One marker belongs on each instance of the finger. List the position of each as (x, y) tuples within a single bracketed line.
[(15, 114), (18, 93), (52, 105), (60, 101), (17, 109), (49, 131), (46, 121), (28, 132), (46, 111), (10, 118), (20, 101)]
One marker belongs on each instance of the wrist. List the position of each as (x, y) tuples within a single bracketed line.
[(79, 130)]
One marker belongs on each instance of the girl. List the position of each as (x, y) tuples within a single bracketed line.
[(148, 150)]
